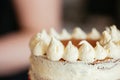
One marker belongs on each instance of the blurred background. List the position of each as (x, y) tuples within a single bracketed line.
[(91, 13), (83, 13)]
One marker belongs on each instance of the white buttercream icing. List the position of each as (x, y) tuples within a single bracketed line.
[(54, 33), (115, 33), (34, 40), (100, 52), (110, 40), (94, 34), (40, 49), (46, 37), (107, 29), (55, 50), (113, 50), (71, 52), (112, 34), (106, 37), (50, 70), (39, 43), (78, 33), (117, 43), (65, 35), (43, 68), (86, 52)]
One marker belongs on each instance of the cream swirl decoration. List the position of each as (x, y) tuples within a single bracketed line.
[(71, 52), (55, 50), (51, 47)]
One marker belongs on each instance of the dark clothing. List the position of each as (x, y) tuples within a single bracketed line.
[(106, 8), (8, 23), (21, 76)]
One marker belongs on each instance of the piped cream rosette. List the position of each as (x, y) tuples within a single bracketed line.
[(51, 47)]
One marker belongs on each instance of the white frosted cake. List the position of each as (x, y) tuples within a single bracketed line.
[(76, 56)]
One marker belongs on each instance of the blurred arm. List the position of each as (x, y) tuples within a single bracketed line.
[(33, 15), (36, 14)]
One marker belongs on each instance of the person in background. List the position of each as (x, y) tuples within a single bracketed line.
[(20, 20)]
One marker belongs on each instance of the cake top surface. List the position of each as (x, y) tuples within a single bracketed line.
[(79, 45)]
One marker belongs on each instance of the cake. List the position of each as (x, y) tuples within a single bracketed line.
[(75, 56)]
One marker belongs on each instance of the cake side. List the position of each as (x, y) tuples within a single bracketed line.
[(44, 69)]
